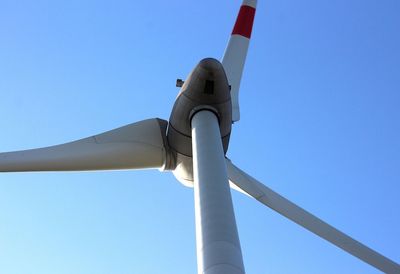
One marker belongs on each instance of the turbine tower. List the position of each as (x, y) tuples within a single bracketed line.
[(193, 144)]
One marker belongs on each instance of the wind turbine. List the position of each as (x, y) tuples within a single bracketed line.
[(193, 144)]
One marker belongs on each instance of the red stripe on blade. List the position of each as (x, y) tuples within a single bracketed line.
[(244, 21)]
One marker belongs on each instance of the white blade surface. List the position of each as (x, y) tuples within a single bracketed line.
[(135, 146), (298, 215), (236, 51)]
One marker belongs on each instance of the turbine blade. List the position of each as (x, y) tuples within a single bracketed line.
[(236, 51), (298, 215), (136, 146)]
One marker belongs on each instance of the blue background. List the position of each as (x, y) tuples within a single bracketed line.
[(320, 124)]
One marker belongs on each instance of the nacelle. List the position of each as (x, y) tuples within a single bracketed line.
[(206, 87)]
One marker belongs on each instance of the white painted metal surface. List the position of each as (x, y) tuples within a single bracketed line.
[(233, 61), (135, 146), (250, 3), (235, 54), (298, 215), (218, 247)]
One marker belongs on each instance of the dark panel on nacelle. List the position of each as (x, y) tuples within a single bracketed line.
[(206, 88)]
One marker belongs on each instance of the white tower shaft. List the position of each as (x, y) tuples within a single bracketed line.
[(218, 246)]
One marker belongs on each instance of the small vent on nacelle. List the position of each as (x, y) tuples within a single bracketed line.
[(209, 87)]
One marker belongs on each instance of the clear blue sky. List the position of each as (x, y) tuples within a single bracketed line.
[(320, 124)]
